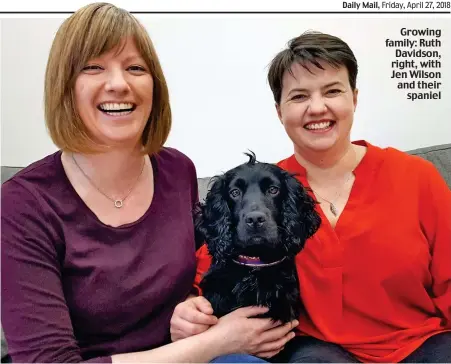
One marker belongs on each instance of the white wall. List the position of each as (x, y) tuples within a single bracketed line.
[(216, 70)]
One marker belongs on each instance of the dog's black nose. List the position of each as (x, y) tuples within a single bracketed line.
[(255, 219)]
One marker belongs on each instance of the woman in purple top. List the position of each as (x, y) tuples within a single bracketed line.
[(97, 238)]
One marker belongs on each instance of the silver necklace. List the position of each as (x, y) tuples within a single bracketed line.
[(118, 203), (332, 207)]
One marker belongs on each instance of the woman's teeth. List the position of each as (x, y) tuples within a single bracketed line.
[(117, 109), (318, 126), (117, 113), (116, 106)]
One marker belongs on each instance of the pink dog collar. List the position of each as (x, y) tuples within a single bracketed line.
[(255, 261)]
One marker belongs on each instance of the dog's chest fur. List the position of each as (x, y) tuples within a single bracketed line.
[(231, 286)]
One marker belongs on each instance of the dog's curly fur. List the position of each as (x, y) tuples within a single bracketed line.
[(259, 210)]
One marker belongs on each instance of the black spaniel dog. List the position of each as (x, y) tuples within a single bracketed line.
[(255, 219)]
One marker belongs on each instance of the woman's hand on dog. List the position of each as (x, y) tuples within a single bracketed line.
[(241, 332), (237, 332), (191, 317)]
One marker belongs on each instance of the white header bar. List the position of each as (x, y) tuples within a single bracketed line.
[(240, 6)]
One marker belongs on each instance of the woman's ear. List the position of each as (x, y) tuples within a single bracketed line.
[(355, 97), (279, 112)]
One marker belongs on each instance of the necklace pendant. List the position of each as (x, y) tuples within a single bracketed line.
[(333, 209), (118, 203)]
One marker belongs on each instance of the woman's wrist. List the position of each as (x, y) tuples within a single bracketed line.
[(199, 348), (214, 340)]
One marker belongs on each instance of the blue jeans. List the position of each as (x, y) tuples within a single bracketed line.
[(301, 349), (436, 349), (237, 358), (306, 349)]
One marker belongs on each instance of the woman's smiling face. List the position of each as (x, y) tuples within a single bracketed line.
[(113, 96), (317, 106)]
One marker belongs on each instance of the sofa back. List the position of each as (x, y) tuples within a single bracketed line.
[(440, 155)]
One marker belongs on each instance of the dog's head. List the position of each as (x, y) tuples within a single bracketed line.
[(256, 210)]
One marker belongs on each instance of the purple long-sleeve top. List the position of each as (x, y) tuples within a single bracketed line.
[(75, 289)]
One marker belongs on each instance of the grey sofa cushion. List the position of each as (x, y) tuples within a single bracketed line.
[(440, 155), (8, 172)]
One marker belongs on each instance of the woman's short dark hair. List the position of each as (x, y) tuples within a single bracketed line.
[(310, 48)]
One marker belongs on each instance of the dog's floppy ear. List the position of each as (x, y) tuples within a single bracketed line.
[(199, 234), (213, 220), (298, 213)]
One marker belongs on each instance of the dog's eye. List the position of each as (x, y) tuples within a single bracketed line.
[(235, 192), (273, 190)]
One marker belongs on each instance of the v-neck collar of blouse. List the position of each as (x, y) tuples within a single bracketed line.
[(364, 174)]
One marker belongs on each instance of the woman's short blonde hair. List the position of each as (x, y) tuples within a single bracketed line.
[(91, 31)]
